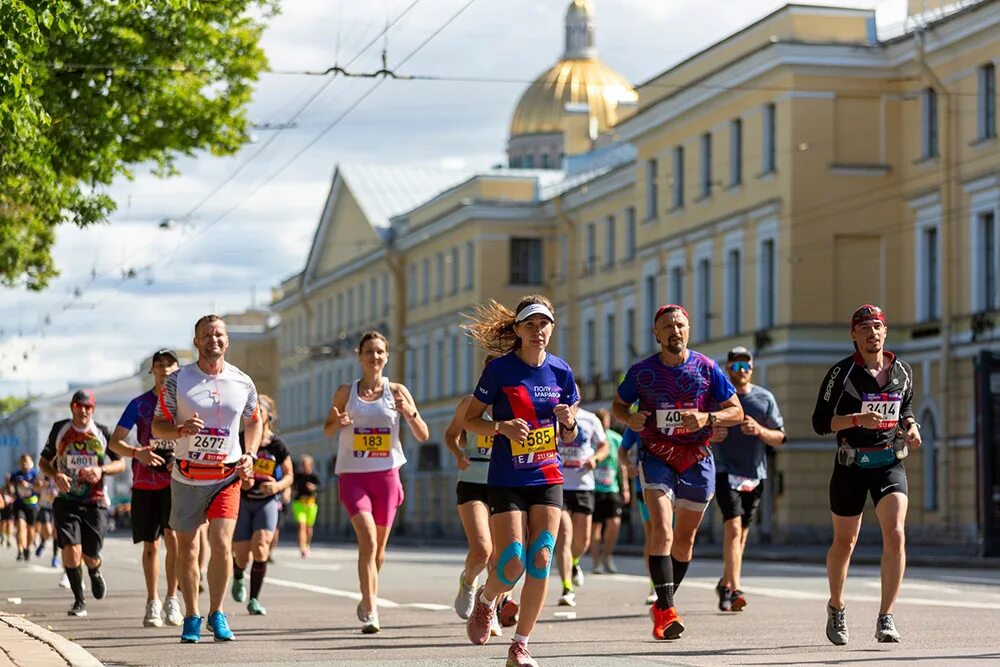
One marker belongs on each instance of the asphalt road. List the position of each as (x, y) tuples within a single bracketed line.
[(946, 616)]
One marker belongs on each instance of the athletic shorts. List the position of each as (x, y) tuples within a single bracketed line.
[(735, 503), (305, 512), (377, 493), (578, 502), (256, 515), (81, 523), (150, 514), (44, 515), (191, 506), (27, 512), (7, 513), (607, 505), (851, 485), (691, 490), (468, 492), (521, 498)]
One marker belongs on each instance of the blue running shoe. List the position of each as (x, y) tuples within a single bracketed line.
[(191, 634), (220, 626)]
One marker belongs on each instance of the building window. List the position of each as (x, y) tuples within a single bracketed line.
[(590, 346), (630, 233), (929, 123), (630, 335), (677, 285), (590, 251), (470, 265), (736, 151), (427, 281), (649, 292), (703, 287), (734, 292), (361, 304), (929, 290), (706, 164), (610, 347), (678, 177), (453, 270), (329, 318), (609, 241), (453, 366), (471, 374), (563, 256), (350, 308), (770, 140), (929, 448), (411, 285), (987, 101), (987, 250), (373, 298), (386, 301), (768, 282), (320, 319), (652, 192), (529, 161), (439, 368), (525, 261), (439, 287)]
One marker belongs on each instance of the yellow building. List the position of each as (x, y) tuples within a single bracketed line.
[(771, 183)]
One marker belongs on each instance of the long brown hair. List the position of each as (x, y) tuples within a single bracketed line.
[(370, 335), (491, 325)]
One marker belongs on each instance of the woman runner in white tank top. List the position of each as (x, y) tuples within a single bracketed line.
[(365, 417)]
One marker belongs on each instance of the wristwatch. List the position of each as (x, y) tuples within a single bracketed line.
[(712, 418)]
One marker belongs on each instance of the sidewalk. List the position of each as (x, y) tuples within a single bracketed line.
[(24, 644)]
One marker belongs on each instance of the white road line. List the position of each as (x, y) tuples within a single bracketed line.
[(325, 567), (352, 595), (934, 588), (789, 594)]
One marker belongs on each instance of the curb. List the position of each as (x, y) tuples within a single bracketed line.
[(74, 654)]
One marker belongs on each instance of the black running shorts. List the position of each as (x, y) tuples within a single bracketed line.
[(851, 485), (468, 492), (521, 498), (733, 503), (81, 523), (607, 506), (578, 502), (150, 514)]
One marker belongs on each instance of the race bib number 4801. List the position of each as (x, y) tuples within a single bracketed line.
[(886, 405), (538, 447), (209, 445), (668, 418), (372, 443)]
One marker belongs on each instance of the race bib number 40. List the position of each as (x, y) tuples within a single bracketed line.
[(668, 418), (372, 443), (210, 445), (538, 447), (886, 405)]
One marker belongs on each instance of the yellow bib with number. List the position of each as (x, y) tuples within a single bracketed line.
[(372, 442), (264, 467), (484, 442), (538, 441)]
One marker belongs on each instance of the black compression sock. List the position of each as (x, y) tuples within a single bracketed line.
[(257, 572), (237, 570), (661, 572), (680, 569), (75, 575)]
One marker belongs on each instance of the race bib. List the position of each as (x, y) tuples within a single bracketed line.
[(484, 443), (743, 484), (539, 447), (887, 406), (572, 457), (210, 445), (162, 445), (604, 475), (373, 443), (264, 467), (74, 463), (668, 418)]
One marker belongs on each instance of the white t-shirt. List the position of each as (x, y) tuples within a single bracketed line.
[(589, 436), (220, 401)]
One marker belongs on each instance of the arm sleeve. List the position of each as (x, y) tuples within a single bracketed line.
[(166, 406), (250, 409), (628, 390), (629, 439), (49, 451), (829, 395), (486, 389), (129, 417), (722, 389)]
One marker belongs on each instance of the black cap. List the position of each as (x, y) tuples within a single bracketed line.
[(165, 352), (739, 352), (83, 397)]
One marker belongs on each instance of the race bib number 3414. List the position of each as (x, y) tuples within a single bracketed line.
[(886, 405)]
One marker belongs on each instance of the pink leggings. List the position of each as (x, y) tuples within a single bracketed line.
[(379, 493)]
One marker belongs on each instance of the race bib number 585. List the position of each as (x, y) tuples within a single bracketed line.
[(538, 447)]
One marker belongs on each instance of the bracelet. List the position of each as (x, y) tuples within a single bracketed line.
[(854, 420), (569, 428)]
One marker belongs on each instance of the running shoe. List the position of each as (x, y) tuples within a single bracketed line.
[(465, 599), (55, 560), (495, 629), (836, 625), (27, 554), (508, 611), (737, 601), (154, 610), (518, 656), (191, 634), (598, 568), (609, 565), (20, 555), (577, 575), (885, 630), (99, 584), (172, 611), (370, 624), (725, 596), (39, 550), (79, 609), (239, 589), (220, 627), (479, 623), (64, 582), (667, 624), (651, 596), (567, 599), (256, 608)]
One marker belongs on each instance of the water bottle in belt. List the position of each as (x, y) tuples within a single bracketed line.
[(900, 444)]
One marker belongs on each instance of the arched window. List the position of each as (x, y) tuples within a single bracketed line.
[(929, 448)]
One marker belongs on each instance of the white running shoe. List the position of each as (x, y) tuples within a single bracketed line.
[(466, 598), (154, 612), (495, 629), (577, 576), (567, 599), (370, 625), (64, 582), (172, 611)]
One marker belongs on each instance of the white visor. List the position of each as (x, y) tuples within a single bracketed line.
[(534, 309)]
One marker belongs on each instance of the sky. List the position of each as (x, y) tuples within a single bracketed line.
[(242, 224)]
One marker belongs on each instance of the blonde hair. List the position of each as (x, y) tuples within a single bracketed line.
[(491, 325)]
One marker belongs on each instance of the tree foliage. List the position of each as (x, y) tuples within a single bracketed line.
[(91, 88), (9, 404)]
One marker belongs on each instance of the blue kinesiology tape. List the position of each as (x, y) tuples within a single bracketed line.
[(514, 551), (544, 541)]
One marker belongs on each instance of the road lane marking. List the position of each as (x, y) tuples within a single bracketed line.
[(352, 595), (326, 567)]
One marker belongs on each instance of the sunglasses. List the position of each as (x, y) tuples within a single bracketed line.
[(738, 366)]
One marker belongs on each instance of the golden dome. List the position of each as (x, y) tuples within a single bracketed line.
[(581, 81)]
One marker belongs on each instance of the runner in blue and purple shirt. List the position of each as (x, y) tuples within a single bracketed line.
[(675, 389)]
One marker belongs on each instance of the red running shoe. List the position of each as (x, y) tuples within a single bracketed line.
[(667, 624), (508, 611)]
